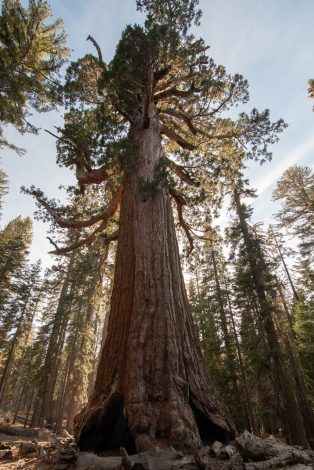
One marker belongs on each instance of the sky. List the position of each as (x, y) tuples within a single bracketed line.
[(269, 42)]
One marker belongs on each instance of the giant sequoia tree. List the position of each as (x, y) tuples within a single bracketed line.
[(152, 128)]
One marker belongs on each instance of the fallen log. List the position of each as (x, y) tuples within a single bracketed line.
[(16, 431), (267, 454)]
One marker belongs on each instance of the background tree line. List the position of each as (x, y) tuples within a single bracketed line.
[(251, 295)]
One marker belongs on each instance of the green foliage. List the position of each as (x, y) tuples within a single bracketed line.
[(304, 331), (295, 191), (31, 53), (15, 239), (3, 188), (311, 89), (176, 14)]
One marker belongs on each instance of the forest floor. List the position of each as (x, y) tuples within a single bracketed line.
[(40, 449), (11, 456), (16, 459)]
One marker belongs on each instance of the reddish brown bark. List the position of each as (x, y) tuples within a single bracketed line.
[(152, 386)]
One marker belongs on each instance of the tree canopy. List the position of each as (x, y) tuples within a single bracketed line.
[(157, 65), (32, 51)]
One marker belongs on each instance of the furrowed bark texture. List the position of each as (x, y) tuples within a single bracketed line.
[(152, 386)]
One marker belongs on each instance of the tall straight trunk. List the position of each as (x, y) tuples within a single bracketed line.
[(292, 413), (294, 291), (288, 336), (18, 404), (10, 359), (285, 306), (249, 406), (224, 325), (31, 401), (44, 397), (152, 386), (65, 379), (50, 407)]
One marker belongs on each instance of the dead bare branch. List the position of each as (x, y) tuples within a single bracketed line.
[(96, 45)]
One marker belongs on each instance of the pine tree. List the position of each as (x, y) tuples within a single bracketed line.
[(21, 311), (210, 308), (285, 377), (295, 191), (32, 52), (15, 240)]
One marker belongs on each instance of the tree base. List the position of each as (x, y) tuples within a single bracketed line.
[(108, 430)]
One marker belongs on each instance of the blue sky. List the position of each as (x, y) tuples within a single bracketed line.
[(269, 42)]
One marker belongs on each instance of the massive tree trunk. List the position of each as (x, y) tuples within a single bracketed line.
[(152, 386)]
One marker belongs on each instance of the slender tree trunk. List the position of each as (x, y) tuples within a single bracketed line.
[(32, 399), (18, 404), (285, 306), (224, 325), (10, 359), (46, 387), (249, 406), (295, 293), (293, 415), (288, 337), (152, 386)]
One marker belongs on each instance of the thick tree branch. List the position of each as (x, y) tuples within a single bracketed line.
[(181, 172), (104, 215), (86, 241), (177, 138), (180, 201), (182, 116), (96, 176), (173, 91)]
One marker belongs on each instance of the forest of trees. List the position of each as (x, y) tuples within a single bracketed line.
[(132, 338)]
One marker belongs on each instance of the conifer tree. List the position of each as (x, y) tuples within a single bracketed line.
[(20, 311), (161, 108), (295, 191), (31, 53), (285, 377), (15, 239), (210, 308)]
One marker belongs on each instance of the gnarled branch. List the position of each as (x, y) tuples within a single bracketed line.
[(173, 91), (96, 45), (177, 138), (104, 215), (86, 241), (181, 172), (96, 176), (182, 116), (180, 201)]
